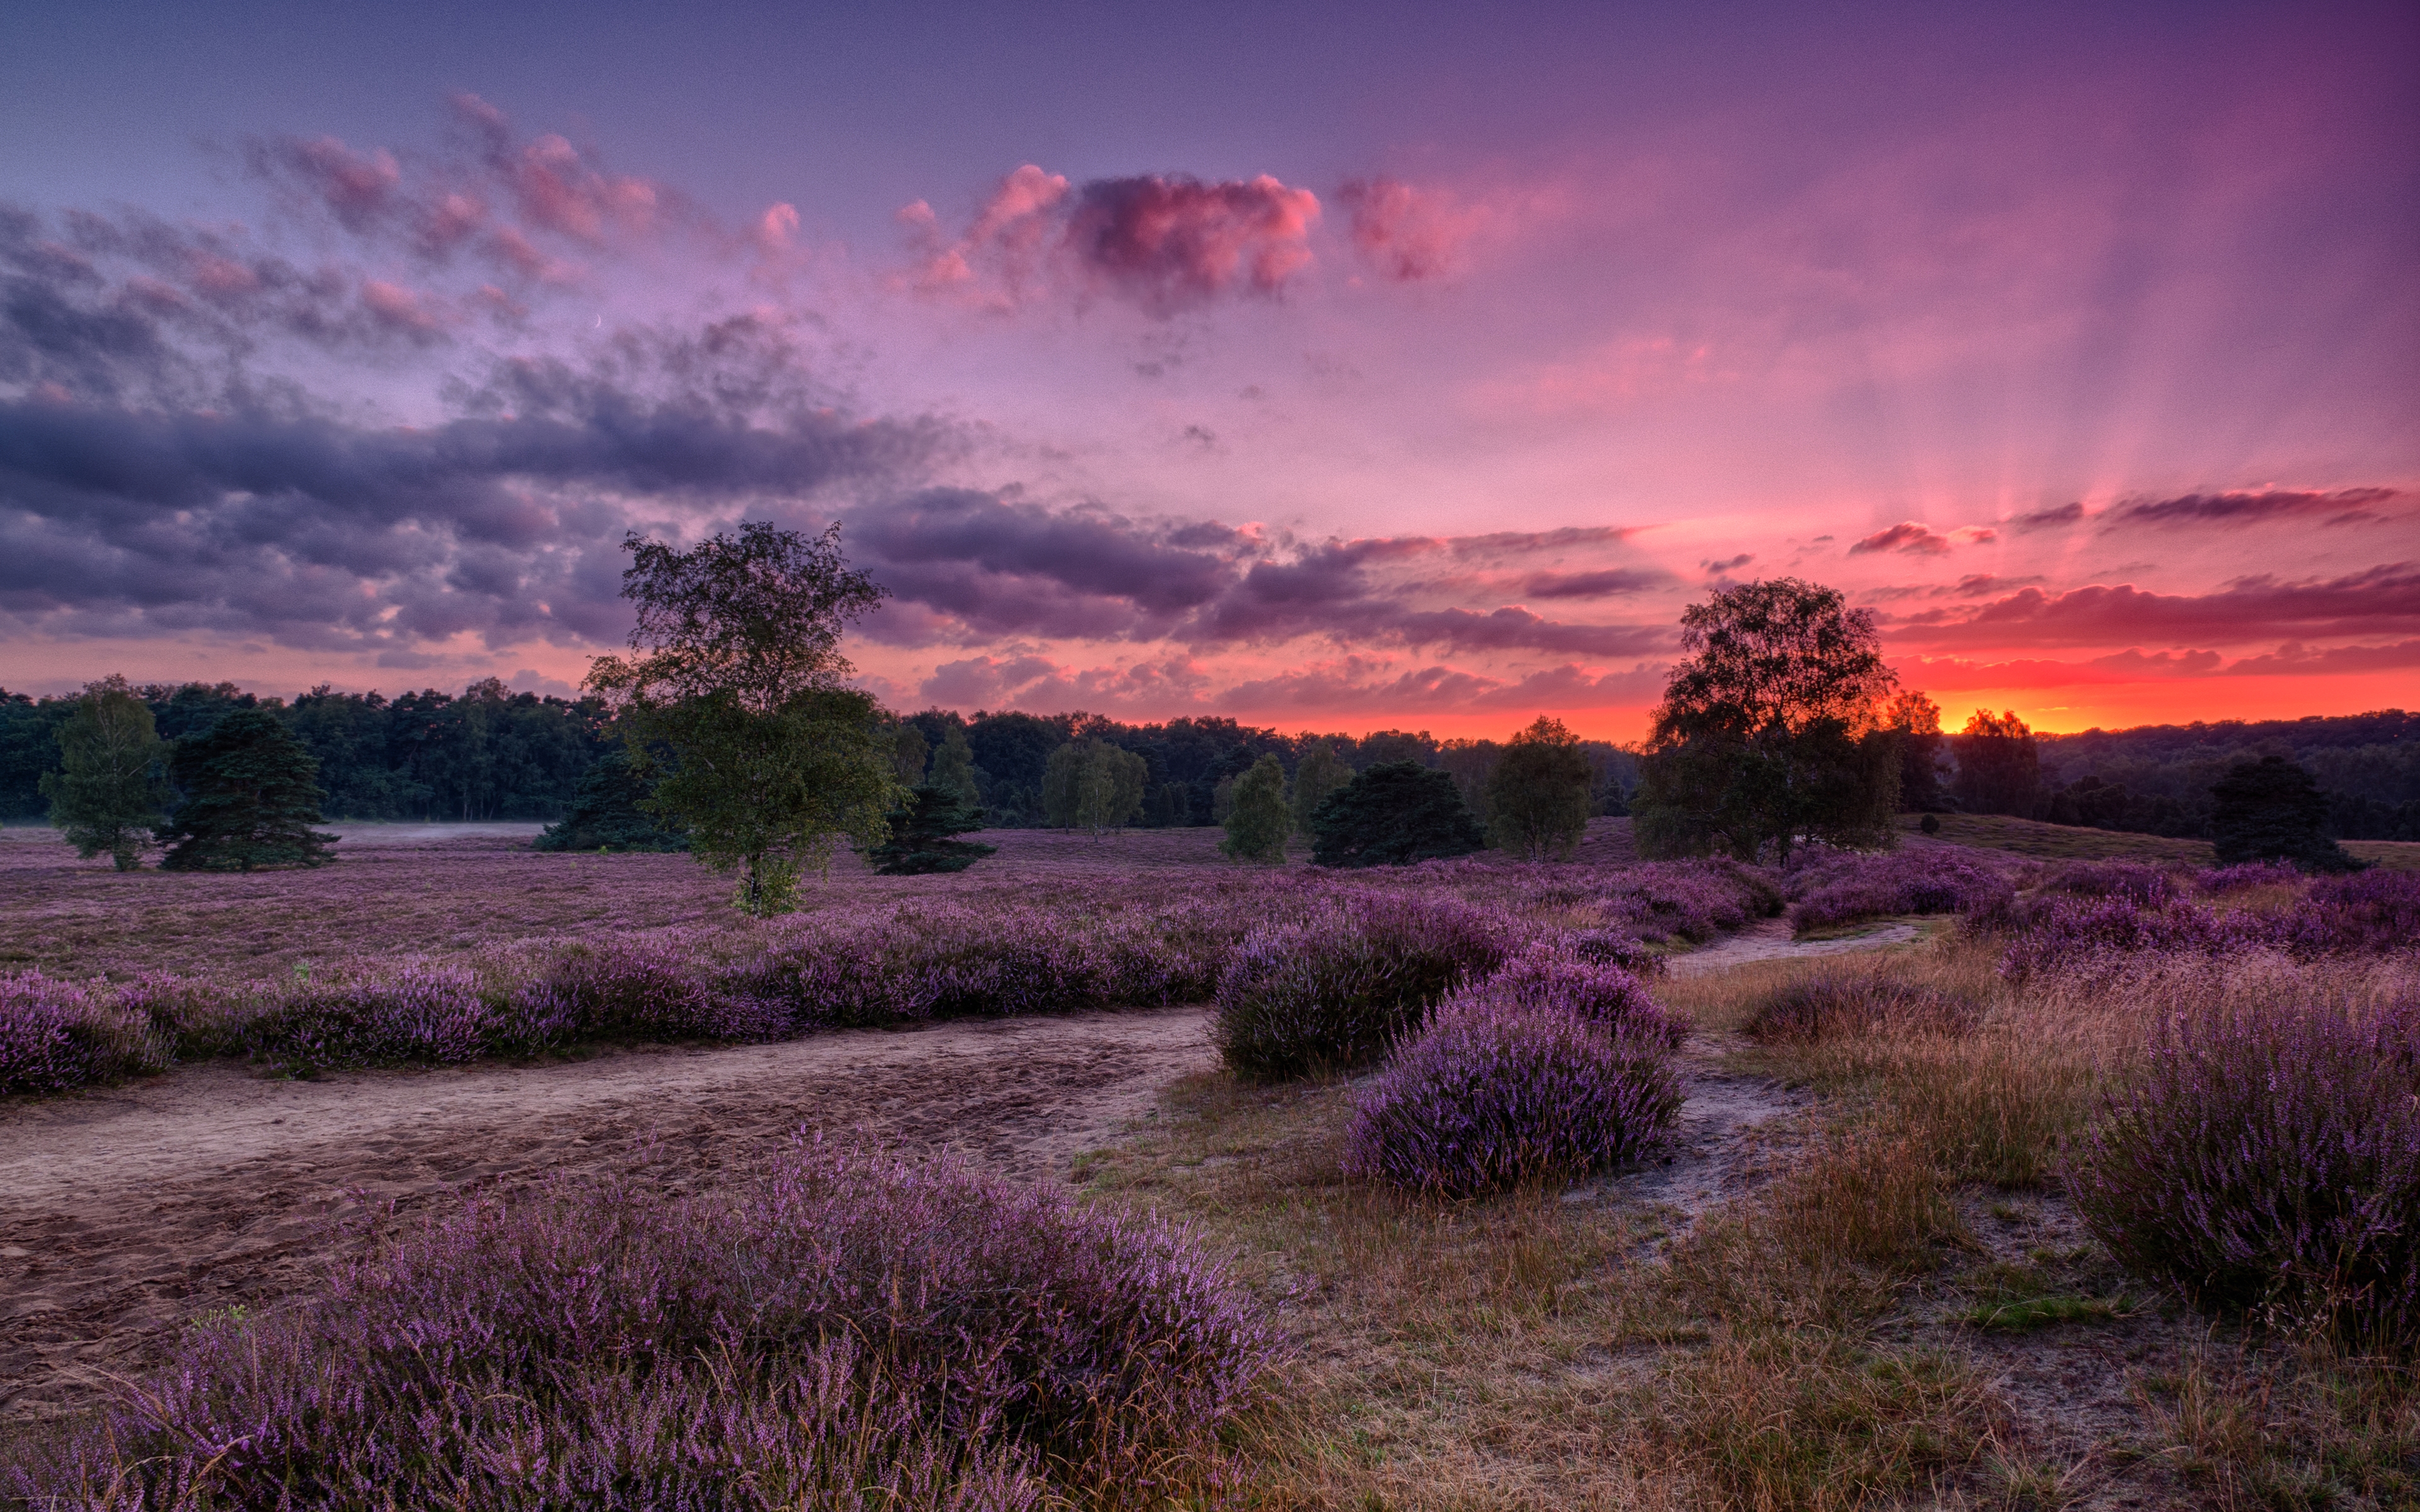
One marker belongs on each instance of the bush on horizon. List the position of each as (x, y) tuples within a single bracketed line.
[(2268, 1161), (843, 1331), (1498, 1092)]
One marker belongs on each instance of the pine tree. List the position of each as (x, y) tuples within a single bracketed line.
[(2271, 810), (609, 813), (919, 839), (1259, 821), (108, 796), (251, 797), (1393, 814)]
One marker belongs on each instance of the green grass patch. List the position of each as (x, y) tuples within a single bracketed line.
[(2031, 1313)]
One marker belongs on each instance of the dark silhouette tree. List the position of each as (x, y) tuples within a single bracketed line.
[(1539, 791), (1999, 767), (2269, 810), (250, 796), (1916, 720), (921, 839), (1318, 774), (108, 795), (608, 812), (736, 672), (1393, 814), (1772, 732)]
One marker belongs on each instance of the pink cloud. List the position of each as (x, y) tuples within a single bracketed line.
[(1407, 234), (355, 186), (1905, 536), (400, 308), (2381, 600)]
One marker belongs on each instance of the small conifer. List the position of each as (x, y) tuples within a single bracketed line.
[(250, 797)]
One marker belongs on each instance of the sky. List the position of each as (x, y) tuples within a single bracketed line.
[(1328, 367)]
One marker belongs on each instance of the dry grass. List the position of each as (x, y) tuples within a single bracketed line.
[(2071, 842), (1843, 1336)]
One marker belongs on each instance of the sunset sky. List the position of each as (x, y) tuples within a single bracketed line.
[(1334, 366)]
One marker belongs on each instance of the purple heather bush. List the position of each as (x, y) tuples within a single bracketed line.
[(2148, 886), (56, 1035), (414, 1011), (1615, 947), (2218, 881), (2368, 912), (649, 988), (1556, 977), (1692, 901), (844, 1333), (1831, 888), (1337, 989), (2270, 1161), (1496, 1092)]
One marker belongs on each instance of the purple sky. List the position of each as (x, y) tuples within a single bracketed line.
[(1338, 369)]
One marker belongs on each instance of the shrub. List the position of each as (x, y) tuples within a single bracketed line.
[(1607, 996), (1338, 990), (636, 990), (1612, 948), (416, 1012), (2372, 911), (1832, 887), (2148, 886), (1496, 1092), (845, 1333), (1393, 814), (2270, 1159), (2220, 880), (1823, 1007), (56, 1035)]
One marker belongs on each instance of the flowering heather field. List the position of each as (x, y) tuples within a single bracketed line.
[(2019, 1214)]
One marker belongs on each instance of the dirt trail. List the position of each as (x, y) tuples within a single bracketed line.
[(123, 1212), (1769, 939)]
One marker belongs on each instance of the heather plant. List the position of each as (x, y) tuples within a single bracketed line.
[(415, 1011), (843, 1332), (1693, 901), (1338, 990), (2268, 1158), (2148, 886), (1607, 996), (1502, 1091), (56, 1035), (1615, 947), (646, 989), (2218, 881), (1834, 888)]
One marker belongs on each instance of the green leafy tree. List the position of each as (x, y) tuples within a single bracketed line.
[(1261, 818), (1999, 767), (1092, 785), (108, 796), (250, 794), (2272, 810), (1318, 774), (736, 672), (608, 812), (953, 764), (1471, 762), (1539, 791), (1393, 814), (1770, 732), (921, 839)]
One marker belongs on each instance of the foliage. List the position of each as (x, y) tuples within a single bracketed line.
[(249, 799), (910, 754), (1916, 720), (1316, 775), (921, 832), (736, 671), (1338, 990), (609, 813), (1999, 767), (56, 1035), (1092, 785), (1259, 818), (1770, 731), (1498, 1092), (1539, 793), (953, 764), (1393, 814), (840, 1331), (2270, 811), (2157, 777), (2270, 1159), (108, 795)]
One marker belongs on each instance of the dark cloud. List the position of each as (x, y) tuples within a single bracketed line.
[(2382, 600), (2050, 519), (1593, 584), (2343, 506)]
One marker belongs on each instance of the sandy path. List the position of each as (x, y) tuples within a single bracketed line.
[(124, 1211), (1768, 939)]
